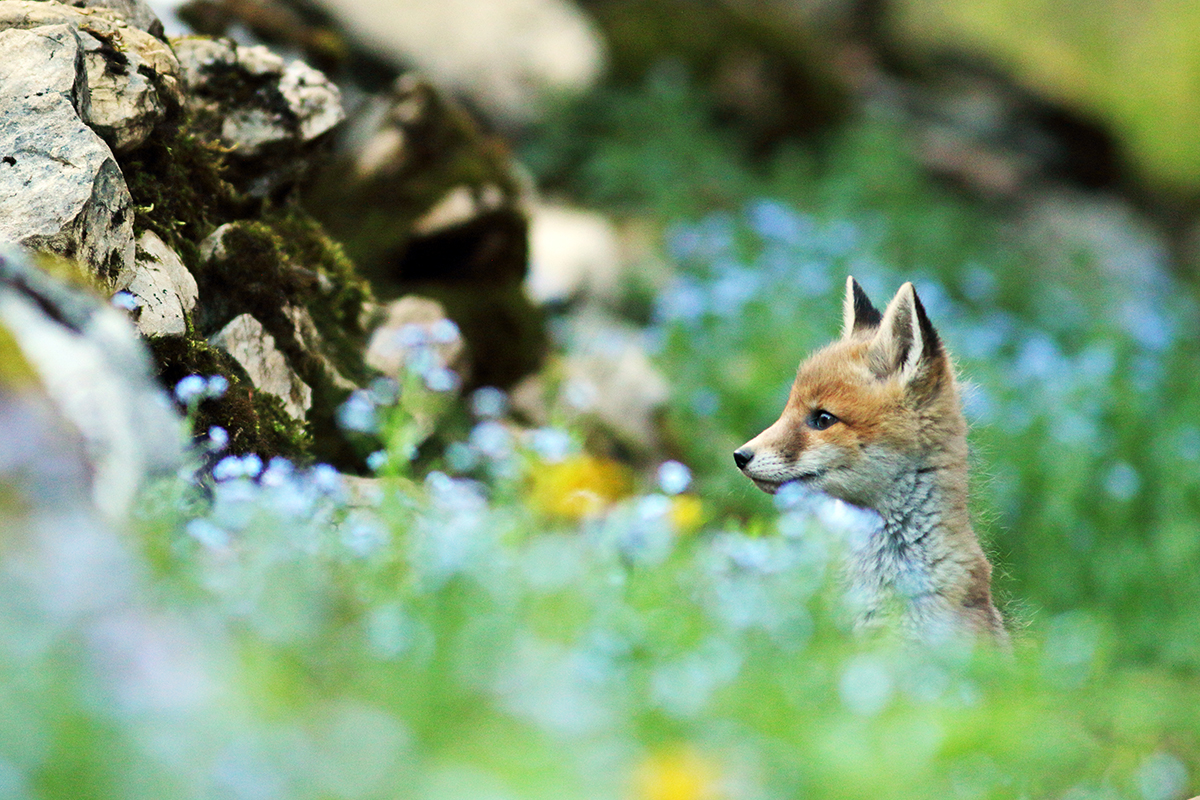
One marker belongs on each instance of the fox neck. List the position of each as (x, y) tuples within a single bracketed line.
[(926, 557)]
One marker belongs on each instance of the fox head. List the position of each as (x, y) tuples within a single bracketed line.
[(867, 409)]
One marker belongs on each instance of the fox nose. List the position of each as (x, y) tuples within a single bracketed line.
[(742, 457)]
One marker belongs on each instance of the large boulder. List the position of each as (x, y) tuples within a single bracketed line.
[(506, 57), (96, 373), (60, 187), (132, 77)]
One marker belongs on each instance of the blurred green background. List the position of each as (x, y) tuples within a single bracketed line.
[(468, 627)]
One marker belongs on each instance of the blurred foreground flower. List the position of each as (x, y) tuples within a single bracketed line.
[(578, 487), (680, 774), (686, 514)]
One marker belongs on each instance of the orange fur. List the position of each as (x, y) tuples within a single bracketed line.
[(897, 445)]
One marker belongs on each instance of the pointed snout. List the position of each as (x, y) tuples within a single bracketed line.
[(742, 457)]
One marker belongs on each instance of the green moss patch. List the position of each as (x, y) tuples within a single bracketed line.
[(256, 421)]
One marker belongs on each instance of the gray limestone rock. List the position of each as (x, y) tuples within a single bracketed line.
[(162, 284), (270, 112), (246, 340), (60, 187), (136, 12), (133, 78), (96, 371)]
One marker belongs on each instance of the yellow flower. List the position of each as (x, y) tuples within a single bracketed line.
[(687, 513), (677, 774), (578, 487)]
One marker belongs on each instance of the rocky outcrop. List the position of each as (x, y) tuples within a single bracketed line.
[(247, 340), (132, 78), (164, 290), (507, 57), (268, 112), (197, 148), (428, 204), (97, 375), (60, 187)]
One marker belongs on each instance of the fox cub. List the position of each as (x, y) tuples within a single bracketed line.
[(875, 419)]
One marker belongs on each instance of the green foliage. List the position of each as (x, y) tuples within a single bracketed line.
[(1133, 67), (282, 632)]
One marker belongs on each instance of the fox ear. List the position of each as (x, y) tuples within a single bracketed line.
[(906, 343), (857, 311)]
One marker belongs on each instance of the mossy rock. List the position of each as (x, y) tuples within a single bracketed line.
[(281, 259), (386, 211), (255, 421), (373, 204)]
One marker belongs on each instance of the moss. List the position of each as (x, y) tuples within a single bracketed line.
[(256, 421), (69, 271), (286, 262), (15, 371), (337, 306), (280, 258), (177, 180)]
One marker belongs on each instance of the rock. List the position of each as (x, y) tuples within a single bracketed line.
[(606, 379), (136, 12), (573, 253), (412, 165), (507, 57), (298, 286), (97, 373), (247, 341), (414, 325), (270, 112), (166, 290), (133, 78), (429, 204), (60, 187)]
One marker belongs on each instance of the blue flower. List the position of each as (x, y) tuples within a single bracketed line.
[(773, 220), (673, 477), (126, 301), (441, 379), (191, 389), (489, 402), (358, 413)]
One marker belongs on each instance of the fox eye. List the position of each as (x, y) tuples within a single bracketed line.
[(821, 419)]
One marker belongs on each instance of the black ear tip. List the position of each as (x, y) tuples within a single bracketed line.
[(865, 313), (928, 332)]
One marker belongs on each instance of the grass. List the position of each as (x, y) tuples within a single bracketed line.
[(518, 618)]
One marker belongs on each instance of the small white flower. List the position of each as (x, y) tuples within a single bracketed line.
[(326, 479), (251, 465), (358, 413), (444, 331), (228, 468), (551, 444), (216, 386), (412, 335), (491, 438), (440, 379)]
